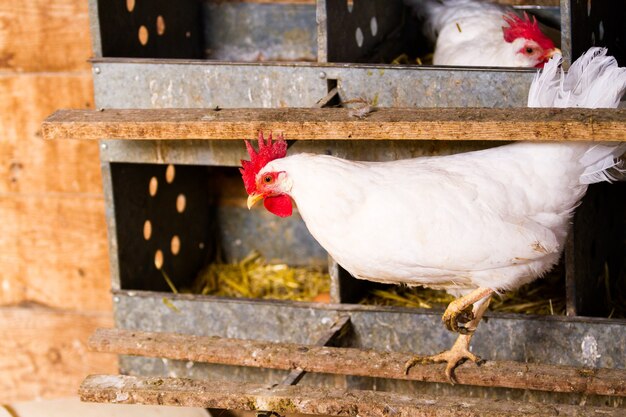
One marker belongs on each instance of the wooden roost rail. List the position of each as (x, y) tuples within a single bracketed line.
[(286, 398), (358, 362), (535, 124)]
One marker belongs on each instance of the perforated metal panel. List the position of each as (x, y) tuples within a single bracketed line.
[(150, 29), (164, 223), (351, 31)]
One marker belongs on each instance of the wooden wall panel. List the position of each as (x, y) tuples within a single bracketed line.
[(28, 164), (54, 285), (43, 352), (53, 251), (44, 35)]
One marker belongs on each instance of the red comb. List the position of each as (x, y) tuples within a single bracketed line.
[(268, 151), (525, 28)]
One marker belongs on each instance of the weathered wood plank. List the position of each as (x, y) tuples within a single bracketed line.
[(289, 399), (29, 164), (323, 123), (43, 353), (44, 35), (350, 361), (341, 325), (53, 251)]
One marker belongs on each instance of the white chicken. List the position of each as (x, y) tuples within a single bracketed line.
[(473, 223), (481, 33)]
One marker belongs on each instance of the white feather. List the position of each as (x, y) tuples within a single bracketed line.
[(603, 163), (547, 84), (593, 81)]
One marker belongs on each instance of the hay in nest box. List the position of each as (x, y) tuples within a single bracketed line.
[(545, 296), (254, 277)]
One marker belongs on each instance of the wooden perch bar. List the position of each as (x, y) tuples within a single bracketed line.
[(350, 361), (341, 325), (336, 124), (290, 399)]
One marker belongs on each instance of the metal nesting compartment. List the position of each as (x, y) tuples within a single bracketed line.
[(160, 66)]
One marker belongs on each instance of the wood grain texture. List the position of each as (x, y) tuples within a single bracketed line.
[(351, 361), (336, 124), (289, 399), (44, 35), (30, 164), (43, 352), (52, 236), (53, 251)]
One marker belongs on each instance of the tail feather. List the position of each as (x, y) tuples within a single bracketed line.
[(604, 163), (593, 81), (547, 84)]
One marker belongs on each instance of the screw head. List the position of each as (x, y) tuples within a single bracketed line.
[(103, 146), (96, 70), (322, 75)]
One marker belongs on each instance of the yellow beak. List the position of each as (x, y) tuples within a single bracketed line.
[(253, 199), (553, 52)]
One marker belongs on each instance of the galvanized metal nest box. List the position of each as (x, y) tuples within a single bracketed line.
[(177, 201)]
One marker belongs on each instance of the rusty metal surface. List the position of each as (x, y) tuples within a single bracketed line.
[(123, 83), (111, 225), (239, 31), (566, 31), (94, 28), (558, 340), (573, 341), (230, 153)]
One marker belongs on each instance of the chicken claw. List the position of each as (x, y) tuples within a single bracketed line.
[(454, 318), (467, 311), (460, 312), (458, 354)]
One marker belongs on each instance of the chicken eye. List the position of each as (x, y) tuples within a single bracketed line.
[(529, 50), (268, 179)]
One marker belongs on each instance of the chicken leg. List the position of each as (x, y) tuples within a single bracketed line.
[(459, 352), (459, 312)]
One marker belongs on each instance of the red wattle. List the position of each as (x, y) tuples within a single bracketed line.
[(279, 205)]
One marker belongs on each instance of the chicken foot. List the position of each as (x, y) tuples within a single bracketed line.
[(459, 352), (459, 313)]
